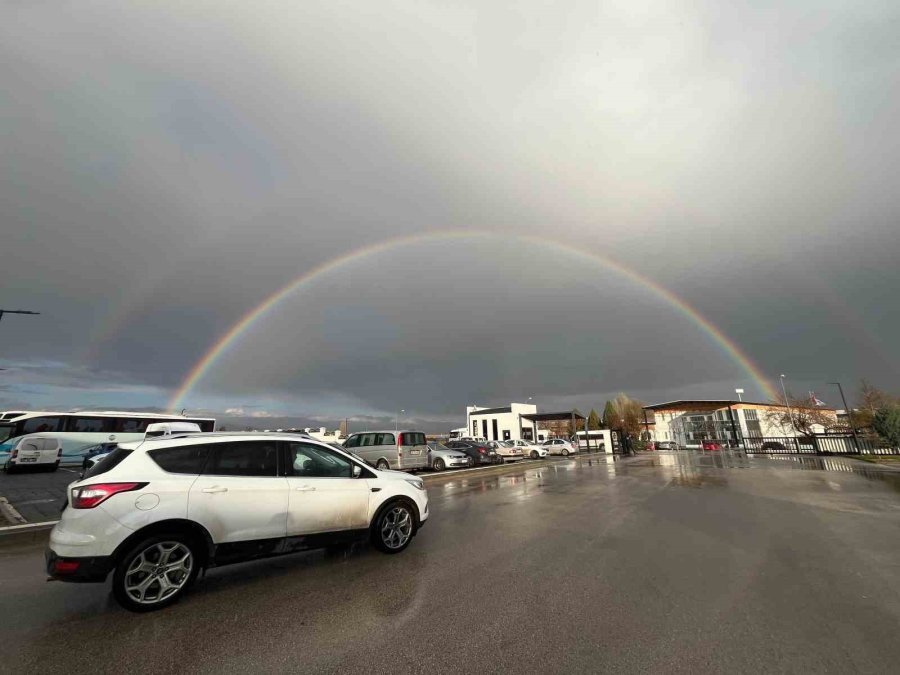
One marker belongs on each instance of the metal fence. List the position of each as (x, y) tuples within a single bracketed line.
[(818, 444)]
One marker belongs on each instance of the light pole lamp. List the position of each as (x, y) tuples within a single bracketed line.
[(849, 415), (397, 421)]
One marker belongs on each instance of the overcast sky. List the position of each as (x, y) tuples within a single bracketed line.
[(166, 166)]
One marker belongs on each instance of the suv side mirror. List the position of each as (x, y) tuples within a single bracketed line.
[(357, 471)]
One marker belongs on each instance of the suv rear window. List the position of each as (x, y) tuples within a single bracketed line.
[(185, 459), (413, 438), (108, 463)]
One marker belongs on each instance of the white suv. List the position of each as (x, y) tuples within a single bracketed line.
[(157, 512)]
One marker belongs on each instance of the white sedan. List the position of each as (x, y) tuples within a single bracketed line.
[(559, 446), (531, 450)]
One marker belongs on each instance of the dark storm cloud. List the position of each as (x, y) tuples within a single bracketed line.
[(165, 167)]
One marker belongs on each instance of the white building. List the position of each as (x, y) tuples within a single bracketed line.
[(502, 424), (689, 422)]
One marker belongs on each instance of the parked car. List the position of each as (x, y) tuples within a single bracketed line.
[(93, 454), (666, 445), (441, 457), (532, 450), (711, 445), (403, 450), (155, 513), (479, 452), (559, 446), (34, 451), (506, 450), (772, 445)]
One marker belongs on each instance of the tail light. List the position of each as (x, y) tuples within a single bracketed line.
[(89, 496), (481, 450), (66, 566), (59, 452)]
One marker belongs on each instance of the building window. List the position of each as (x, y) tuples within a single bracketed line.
[(494, 429), (484, 428), (750, 415), (474, 427)]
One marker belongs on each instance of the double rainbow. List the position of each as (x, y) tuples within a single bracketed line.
[(218, 349)]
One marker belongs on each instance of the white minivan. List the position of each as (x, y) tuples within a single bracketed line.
[(38, 451)]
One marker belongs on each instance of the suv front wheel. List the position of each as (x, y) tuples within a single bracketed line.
[(394, 527), (156, 572)]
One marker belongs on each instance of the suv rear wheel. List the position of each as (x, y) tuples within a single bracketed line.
[(156, 572), (382, 465), (394, 527)]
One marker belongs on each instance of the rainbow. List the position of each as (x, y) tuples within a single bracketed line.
[(215, 352)]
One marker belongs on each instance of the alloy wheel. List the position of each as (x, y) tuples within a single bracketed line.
[(396, 527), (158, 572)]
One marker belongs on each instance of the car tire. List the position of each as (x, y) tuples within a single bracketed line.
[(565, 452), (438, 465), (534, 454), (382, 465), (393, 527), (130, 588), (470, 462)]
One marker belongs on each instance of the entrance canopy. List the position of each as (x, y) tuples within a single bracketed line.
[(570, 415)]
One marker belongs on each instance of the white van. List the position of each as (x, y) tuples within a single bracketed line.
[(402, 450), (43, 451)]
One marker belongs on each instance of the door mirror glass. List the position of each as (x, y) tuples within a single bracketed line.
[(357, 471)]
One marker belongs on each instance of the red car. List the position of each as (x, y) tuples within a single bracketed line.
[(712, 445)]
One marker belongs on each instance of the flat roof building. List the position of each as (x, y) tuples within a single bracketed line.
[(689, 422)]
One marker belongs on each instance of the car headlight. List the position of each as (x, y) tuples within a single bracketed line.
[(416, 483)]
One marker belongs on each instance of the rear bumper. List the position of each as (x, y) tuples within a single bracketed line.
[(91, 569)]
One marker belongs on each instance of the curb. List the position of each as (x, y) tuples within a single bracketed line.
[(8, 513), (496, 468)]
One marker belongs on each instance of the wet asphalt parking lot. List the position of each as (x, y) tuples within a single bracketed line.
[(670, 563)]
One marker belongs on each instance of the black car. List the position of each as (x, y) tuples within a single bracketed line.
[(479, 452)]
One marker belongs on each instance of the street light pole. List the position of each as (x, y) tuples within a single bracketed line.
[(397, 421), (739, 392), (849, 415), (787, 403), (16, 311)]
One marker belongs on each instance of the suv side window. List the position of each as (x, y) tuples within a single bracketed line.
[(313, 461), (188, 459), (242, 458), (365, 440), (384, 439), (352, 442)]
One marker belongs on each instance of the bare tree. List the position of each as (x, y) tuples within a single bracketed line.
[(795, 414)]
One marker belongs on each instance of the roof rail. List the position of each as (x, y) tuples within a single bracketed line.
[(169, 428)]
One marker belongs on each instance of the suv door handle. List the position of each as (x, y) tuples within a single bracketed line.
[(305, 488), (214, 489)]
